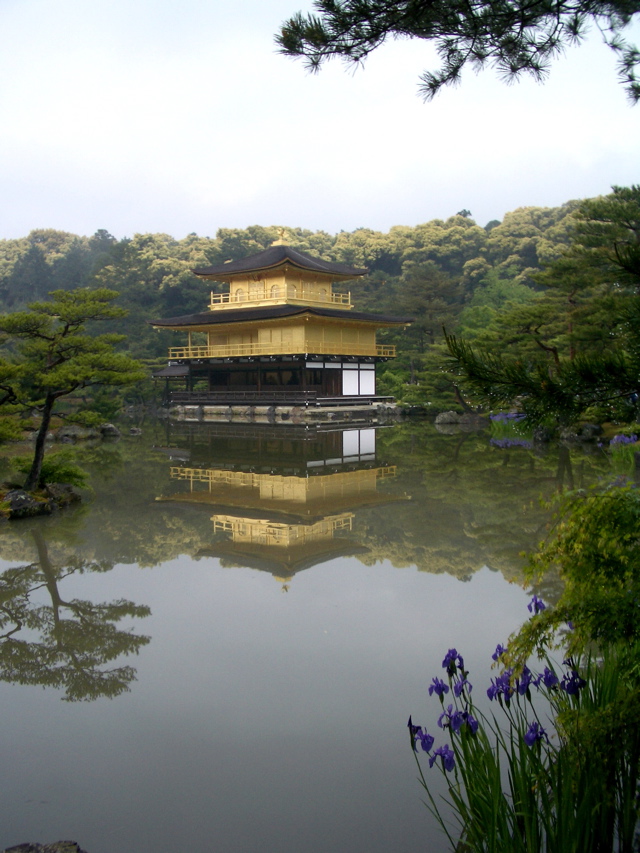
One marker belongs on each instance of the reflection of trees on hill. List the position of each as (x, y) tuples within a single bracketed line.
[(125, 523), (63, 643), (120, 521), (472, 503)]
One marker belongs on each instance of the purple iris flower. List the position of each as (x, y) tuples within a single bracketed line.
[(414, 732), (460, 685), (524, 682), (471, 722), (452, 660), (623, 439), (444, 719), (500, 650), (446, 754), (438, 687), (501, 687), (460, 718), (426, 740), (534, 733), (548, 678), (536, 605), (455, 720), (572, 683)]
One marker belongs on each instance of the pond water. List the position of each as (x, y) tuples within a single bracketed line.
[(219, 650)]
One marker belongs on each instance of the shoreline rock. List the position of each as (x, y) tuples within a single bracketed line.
[(18, 503)]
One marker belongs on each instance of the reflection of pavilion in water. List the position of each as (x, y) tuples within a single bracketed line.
[(282, 501)]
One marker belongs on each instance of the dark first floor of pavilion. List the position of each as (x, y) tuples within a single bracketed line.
[(271, 380)]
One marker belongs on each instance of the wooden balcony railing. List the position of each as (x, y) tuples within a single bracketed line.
[(263, 532), (247, 479), (304, 296), (255, 349)]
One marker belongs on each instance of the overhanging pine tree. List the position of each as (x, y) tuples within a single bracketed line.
[(514, 36)]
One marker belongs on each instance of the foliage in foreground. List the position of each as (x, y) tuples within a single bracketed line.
[(517, 782), (595, 546), (565, 779), (512, 36)]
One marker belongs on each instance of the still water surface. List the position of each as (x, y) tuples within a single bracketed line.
[(282, 600)]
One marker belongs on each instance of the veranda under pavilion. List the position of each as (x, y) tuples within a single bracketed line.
[(280, 336)]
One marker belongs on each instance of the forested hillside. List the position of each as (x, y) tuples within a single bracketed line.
[(450, 273)]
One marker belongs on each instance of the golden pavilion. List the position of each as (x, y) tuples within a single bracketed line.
[(281, 335)]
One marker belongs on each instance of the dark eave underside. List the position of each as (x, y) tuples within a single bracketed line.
[(273, 312), (289, 561), (276, 256), (173, 371)]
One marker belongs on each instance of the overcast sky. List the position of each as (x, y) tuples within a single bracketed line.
[(149, 115)]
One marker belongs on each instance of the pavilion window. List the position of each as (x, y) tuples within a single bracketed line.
[(243, 378), (291, 377), (219, 378), (271, 377)]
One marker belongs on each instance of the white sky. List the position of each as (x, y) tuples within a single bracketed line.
[(149, 115)]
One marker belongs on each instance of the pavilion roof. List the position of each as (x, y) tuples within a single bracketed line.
[(275, 257), (272, 312)]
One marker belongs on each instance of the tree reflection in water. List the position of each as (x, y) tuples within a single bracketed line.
[(63, 644)]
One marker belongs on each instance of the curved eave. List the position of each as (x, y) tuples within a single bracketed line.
[(275, 258), (208, 319), (318, 274)]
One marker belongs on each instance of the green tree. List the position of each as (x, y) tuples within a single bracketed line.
[(595, 547), (528, 238), (490, 299), (607, 237), (449, 243), (51, 355), (433, 299), (48, 260), (513, 36), (31, 277), (585, 326)]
